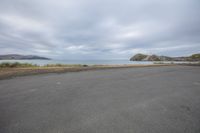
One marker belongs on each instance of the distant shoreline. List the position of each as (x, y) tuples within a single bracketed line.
[(87, 62)]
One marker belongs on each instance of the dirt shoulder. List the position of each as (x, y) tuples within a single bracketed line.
[(6, 73)]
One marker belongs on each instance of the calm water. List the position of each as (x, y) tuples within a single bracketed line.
[(87, 62)]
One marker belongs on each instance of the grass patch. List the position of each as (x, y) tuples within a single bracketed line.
[(23, 65), (16, 64), (65, 65), (163, 62)]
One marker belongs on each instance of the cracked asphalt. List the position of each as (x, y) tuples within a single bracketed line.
[(127, 100)]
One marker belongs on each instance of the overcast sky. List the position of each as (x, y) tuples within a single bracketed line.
[(99, 29)]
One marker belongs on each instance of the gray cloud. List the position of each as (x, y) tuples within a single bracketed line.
[(98, 29)]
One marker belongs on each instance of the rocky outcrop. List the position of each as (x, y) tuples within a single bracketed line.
[(143, 57), (138, 57)]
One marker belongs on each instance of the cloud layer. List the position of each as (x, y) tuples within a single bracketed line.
[(99, 29)]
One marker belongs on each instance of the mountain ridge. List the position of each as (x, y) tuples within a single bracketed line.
[(21, 57)]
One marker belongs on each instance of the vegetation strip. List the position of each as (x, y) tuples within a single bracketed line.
[(13, 70)]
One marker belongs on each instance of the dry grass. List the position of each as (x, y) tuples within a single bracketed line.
[(8, 72)]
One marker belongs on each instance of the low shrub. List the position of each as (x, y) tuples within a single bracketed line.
[(15, 64)]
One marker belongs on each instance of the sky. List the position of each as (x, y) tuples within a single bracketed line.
[(99, 29)]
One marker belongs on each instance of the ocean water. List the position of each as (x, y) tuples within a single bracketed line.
[(87, 62)]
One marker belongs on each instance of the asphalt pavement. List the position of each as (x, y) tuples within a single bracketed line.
[(127, 100)]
